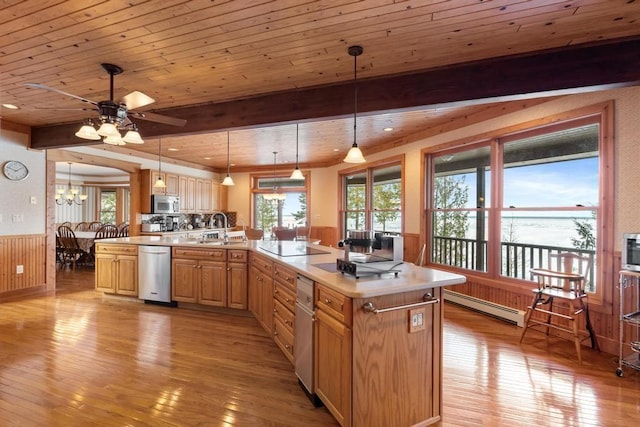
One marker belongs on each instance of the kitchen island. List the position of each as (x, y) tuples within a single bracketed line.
[(377, 339)]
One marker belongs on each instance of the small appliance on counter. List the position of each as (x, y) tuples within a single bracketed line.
[(369, 253), (151, 228)]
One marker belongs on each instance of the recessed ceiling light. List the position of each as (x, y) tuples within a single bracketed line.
[(336, 149), (207, 158), (172, 149), (388, 129), (10, 106)]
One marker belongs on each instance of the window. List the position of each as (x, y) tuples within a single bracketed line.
[(372, 199), (108, 206), (290, 211), (501, 207)]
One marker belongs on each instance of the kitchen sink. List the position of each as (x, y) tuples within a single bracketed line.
[(214, 242)]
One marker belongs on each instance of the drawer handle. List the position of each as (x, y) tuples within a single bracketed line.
[(288, 322), (428, 300), (287, 299), (287, 346), (275, 332), (328, 301)]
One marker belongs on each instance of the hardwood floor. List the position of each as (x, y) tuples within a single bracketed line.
[(80, 358)]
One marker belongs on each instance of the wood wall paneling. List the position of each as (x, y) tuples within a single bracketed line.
[(30, 252)]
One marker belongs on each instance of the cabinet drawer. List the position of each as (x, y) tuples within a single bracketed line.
[(283, 338), (116, 249), (284, 295), (285, 275), (284, 315), (207, 254), (262, 263), (236, 255), (334, 303)]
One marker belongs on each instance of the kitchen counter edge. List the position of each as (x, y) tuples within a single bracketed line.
[(410, 277)]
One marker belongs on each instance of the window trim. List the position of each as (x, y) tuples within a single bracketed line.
[(255, 177), (368, 169), (602, 299)]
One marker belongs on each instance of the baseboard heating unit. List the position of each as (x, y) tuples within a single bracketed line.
[(502, 312)]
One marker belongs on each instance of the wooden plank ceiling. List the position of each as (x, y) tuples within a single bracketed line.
[(255, 68)]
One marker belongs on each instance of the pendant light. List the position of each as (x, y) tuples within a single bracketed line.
[(276, 196), (297, 173), (159, 182), (227, 179), (355, 155)]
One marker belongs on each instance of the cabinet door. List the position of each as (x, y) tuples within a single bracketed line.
[(215, 196), (213, 283), (203, 195), (154, 177), (237, 285), (127, 281), (333, 366), (173, 184), (254, 292), (266, 304), (191, 194), (182, 193), (184, 280), (105, 273)]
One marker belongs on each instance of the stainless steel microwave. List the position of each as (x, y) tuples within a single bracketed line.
[(161, 204), (631, 251)]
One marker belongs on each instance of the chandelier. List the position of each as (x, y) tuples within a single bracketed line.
[(69, 195), (274, 197)]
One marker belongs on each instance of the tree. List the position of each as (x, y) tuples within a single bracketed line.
[(302, 213), (266, 213), (586, 236), (386, 199), (450, 192), (355, 206)]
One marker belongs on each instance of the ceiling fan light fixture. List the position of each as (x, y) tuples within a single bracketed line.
[(87, 131), (108, 129), (355, 155), (114, 140), (133, 136)]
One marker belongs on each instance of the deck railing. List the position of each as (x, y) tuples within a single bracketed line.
[(516, 258)]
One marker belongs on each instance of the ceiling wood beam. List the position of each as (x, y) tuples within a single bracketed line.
[(554, 72)]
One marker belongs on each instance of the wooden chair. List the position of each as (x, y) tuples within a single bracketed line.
[(94, 226), (562, 283), (107, 231), (283, 233), (254, 233), (123, 231), (82, 226), (59, 251), (422, 255), (302, 233), (71, 251)]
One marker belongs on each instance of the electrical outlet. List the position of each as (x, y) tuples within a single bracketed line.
[(19, 269), (32, 200), (17, 218), (416, 320)]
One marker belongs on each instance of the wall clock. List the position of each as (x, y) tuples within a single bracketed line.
[(15, 170)]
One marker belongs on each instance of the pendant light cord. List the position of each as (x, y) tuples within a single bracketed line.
[(296, 145), (228, 165), (355, 95)]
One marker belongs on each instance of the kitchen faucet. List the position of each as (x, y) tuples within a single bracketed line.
[(225, 237)]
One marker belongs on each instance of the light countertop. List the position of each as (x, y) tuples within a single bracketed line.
[(321, 267)]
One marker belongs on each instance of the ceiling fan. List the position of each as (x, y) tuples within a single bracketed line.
[(113, 116)]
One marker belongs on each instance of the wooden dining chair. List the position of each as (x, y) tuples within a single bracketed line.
[(94, 226), (560, 301), (71, 251), (82, 226), (283, 233), (302, 233), (107, 231), (123, 231), (254, 233)]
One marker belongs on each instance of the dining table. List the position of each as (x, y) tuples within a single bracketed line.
[(85, 239)]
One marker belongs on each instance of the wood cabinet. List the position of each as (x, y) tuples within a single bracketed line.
[(216, 277), (333, 352), (187, 193), (284, 302), (261, 291), (199, 276), (117, 269), (203, 196), (147, 179), (237, 279), (364, 358)]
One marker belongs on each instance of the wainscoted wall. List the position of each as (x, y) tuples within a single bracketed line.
[(28, 251), (604, 318)]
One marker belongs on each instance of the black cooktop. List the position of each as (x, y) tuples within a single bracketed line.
[(289, 248)]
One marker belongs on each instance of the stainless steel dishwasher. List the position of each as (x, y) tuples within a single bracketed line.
[(154, 273), (303, 337)]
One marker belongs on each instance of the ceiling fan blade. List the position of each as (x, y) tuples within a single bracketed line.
[(153, 117), (66, 109), (136, 100), (50, 89)]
